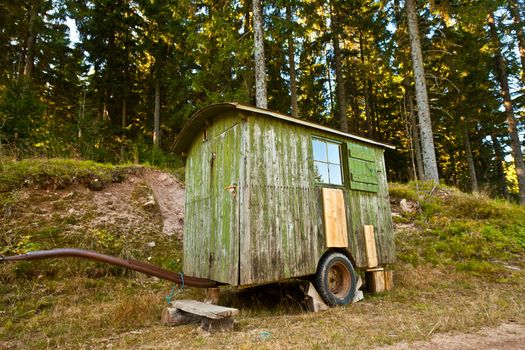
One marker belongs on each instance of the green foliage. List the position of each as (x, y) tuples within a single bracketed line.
[(95, 99), (20, 115), (58, 173), (106, 240), (470, 232)]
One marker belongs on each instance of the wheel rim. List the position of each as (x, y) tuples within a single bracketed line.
[(339, 280)]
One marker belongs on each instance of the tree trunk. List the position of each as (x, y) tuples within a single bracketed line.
[(124, 112), (124, 123), (261, 99), (518, 27), (329, 80), (291, 58), (423, 109), (105, 110), (368, 114), (339, 80), (515, 143), (470, 159), (156, 116), (31, 41), (415, 138), (248, 75), (498, 154)]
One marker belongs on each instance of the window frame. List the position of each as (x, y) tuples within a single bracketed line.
[(342, 161)]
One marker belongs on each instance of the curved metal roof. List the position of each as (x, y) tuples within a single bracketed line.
[(200, 118)]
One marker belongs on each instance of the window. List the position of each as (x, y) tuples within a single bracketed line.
[(327, 162)]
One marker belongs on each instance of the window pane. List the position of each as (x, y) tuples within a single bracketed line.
[(321, 172), (335, 174), (333, 153), (319, 148)]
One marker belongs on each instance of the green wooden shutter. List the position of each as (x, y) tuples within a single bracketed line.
[(363, 168)]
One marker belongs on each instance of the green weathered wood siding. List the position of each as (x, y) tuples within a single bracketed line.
[(372, 208), (282, 236), (211, 230), (284, 233), (273, 227)]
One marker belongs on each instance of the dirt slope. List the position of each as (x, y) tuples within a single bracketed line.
[(140, 217)]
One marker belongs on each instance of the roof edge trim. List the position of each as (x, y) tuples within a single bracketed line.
[(199, 119)]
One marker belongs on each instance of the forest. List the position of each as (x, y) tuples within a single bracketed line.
[(115, 80)]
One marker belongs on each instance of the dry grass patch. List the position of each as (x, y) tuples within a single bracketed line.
[(427, 300)]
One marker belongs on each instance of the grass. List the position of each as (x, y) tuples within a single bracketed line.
[(461, 266), (58, 173), (466, 231)]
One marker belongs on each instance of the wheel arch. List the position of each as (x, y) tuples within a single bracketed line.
[(343, 251)]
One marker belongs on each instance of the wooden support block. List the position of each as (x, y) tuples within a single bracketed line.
[(375, 280), (315, 302), (370, 246), (212, 296), (173, 317), (389, 280), (358, 292)]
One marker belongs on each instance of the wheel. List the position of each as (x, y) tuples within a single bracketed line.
[(335, 279)]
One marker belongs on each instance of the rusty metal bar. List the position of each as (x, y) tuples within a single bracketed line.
[(127, 263)]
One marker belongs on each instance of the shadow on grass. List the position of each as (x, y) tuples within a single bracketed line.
[(287, 297)]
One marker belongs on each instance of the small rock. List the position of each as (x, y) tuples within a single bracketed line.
[(151, 244), (512, 267), (108, 194), (408, 207), (96, 185), (69, 195), (7, 210), (71, 211), (149, 204)]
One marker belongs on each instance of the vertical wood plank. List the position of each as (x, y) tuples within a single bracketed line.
[(370, 246), (334, 218)]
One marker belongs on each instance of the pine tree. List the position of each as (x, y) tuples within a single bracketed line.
[(261, 99), (425, 124)]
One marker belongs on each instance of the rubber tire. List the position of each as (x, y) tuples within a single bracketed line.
[(341, 267)]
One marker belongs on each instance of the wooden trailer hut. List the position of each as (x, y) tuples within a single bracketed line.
[(271, 197)]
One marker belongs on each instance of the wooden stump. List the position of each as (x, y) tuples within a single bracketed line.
[(173, 317), (379, 280)]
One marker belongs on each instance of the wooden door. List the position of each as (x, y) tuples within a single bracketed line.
[(223, 257)]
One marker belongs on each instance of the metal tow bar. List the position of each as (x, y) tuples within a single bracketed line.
[(127, 263)]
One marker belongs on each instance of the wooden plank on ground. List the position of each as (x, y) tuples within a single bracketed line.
[(370, 246), (214, 312), (334, 218)]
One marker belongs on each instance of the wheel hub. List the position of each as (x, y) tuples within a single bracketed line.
[(339, 279)]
